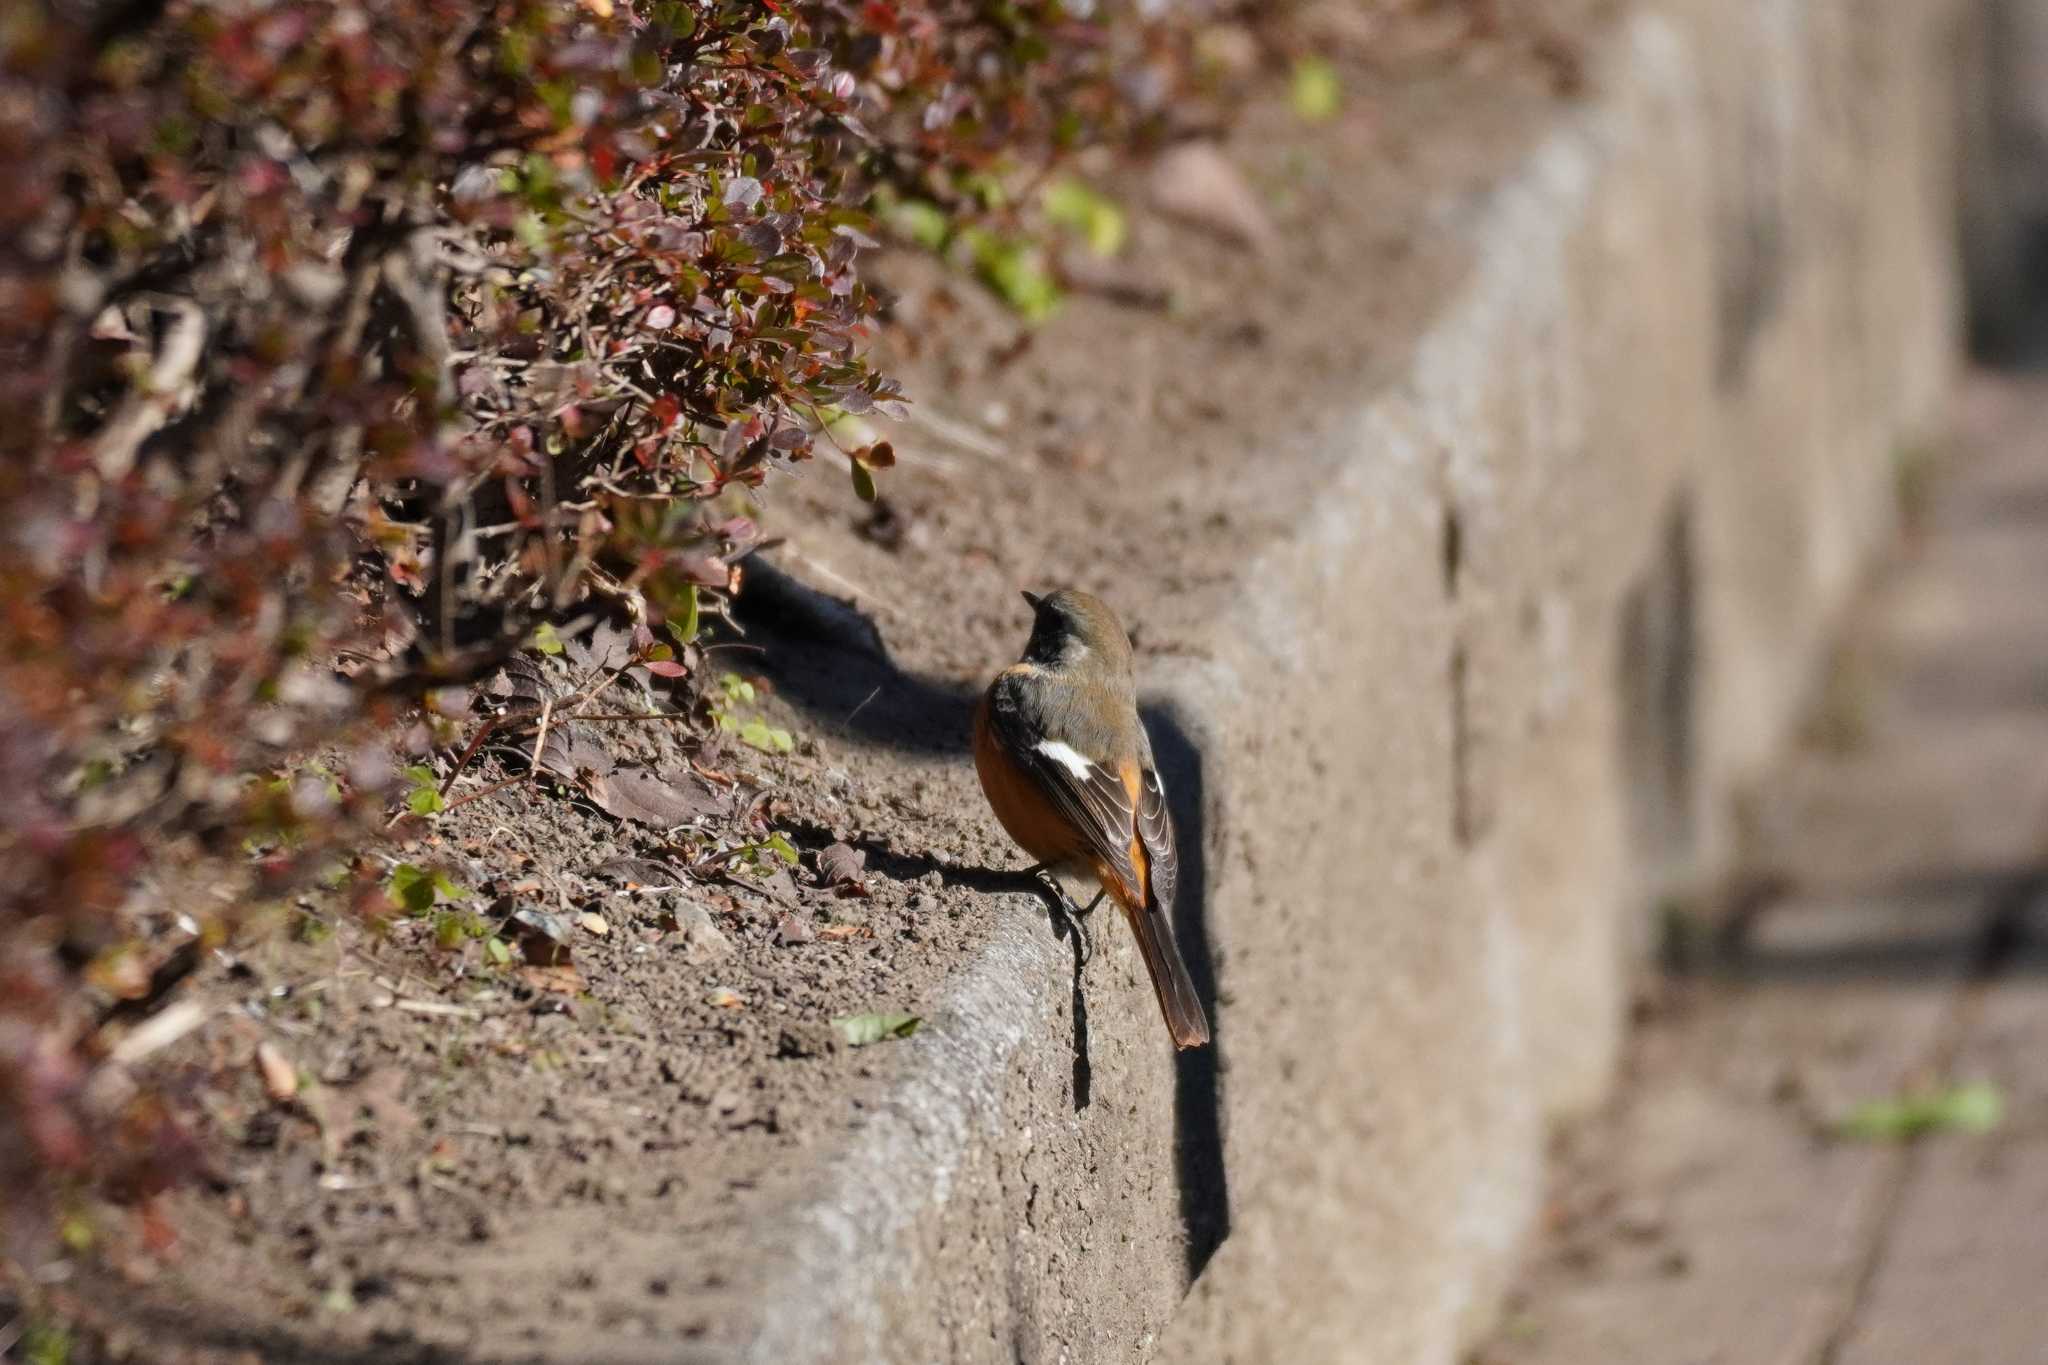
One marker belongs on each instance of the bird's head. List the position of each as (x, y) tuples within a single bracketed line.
[(1076, 629)]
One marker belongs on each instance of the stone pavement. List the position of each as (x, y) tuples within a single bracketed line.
[(1898, 945)]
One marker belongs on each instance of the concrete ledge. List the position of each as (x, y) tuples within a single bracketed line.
[(1532, 604)]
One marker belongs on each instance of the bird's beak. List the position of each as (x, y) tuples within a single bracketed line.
[(1035, 600)]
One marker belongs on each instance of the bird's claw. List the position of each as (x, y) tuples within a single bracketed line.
[(1067, 913), (1078, 927)]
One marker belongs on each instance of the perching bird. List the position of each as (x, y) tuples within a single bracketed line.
[(1067, 765)]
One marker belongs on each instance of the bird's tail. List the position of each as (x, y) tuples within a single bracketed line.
[(1177, 998)]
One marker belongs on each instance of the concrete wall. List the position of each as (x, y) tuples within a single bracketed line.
[(1549, 592), (1663, 417)]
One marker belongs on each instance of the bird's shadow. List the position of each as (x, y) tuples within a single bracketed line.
[(886, 861)]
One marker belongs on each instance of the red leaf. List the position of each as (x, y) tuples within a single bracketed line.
[(666, 668)]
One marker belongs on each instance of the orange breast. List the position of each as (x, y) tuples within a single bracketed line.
[(1014, 796)]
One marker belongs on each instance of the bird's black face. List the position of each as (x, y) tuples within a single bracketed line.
[(1070, 626)]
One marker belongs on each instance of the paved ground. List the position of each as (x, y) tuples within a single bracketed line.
[(1716, 1213)]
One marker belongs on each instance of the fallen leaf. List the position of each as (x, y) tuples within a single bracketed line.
[(727, 999), (1973, 1108), (640, 872), (1194, 182), (777, 885), (593, 924), (703, 940), (520, 679), (558, 979), (845, 931), (543, 938), (794, 929), (606, 646), (861, 1029), (1128, 283), (280, 1077), (843, 868), (1315, 90), (569, 753), (641, 795)]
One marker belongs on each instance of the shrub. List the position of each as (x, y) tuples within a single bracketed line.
[(344, 342)]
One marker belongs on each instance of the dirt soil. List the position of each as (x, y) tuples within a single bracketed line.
[(496, 1161)]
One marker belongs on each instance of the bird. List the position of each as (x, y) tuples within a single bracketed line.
[(1067, 767)]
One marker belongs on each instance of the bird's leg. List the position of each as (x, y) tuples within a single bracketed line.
[(1068, 913)]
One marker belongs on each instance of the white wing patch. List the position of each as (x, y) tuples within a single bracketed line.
[(1066, 756)]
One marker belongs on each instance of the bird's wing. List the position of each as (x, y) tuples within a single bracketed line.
[(1091, 796), (1155, 829)]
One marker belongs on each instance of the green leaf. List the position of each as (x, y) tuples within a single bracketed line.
[(448, 929), (863, 481), (546, 641), (498, 950), (768, 739), (987, 189), (685, 629), (1015, 269), (1974, 1108), (425, 796), (861, 1029), (782, 848), (1074, 205), (922, 222), (412, 886), (46, 1343), (416, 888), (1316, 91)]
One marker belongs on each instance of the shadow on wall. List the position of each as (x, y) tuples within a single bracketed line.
[(1659, 666), (832, 661), (2002, 164)]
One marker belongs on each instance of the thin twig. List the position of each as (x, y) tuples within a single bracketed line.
[(470, 752), (547, 713), (487, 791)]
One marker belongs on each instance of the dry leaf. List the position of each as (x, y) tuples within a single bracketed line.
[(1197, 184), (794, 929), (845, 931), (703, 940), (843, 868), (569, 753), (593, 924), (727, 999), (280, 1077), (561, 979), (543, 938), (642, 795), (632, 872)]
